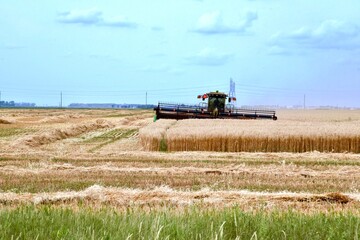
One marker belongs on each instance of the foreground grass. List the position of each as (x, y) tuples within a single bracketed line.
[(29, 222)]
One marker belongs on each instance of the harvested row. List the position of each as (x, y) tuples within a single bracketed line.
[(49, 177), (253, 136), (61, 118), (232, 169), (59, 134), (164, 195)]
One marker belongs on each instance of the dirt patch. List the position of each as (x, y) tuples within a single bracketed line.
[(328, 197), (215, 172), (4, 121), (59, 134)]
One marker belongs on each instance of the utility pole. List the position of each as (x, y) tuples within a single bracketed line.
[(304, 101), (61, 99), (146, 99), (0, 99)]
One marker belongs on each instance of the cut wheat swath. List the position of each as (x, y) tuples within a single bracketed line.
[(253, 136)]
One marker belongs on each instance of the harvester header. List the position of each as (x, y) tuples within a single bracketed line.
[(214, 105)]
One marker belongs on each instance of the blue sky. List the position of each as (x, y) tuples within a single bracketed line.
[(114, 51)]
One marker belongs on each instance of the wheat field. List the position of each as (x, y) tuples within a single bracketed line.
[(322, 131), (60, 162)]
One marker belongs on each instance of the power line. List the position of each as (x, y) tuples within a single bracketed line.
[(120, 91), (281, 89), (246, 89)]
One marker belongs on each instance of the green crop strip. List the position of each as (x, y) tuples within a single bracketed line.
[(110, 137), (9, 132)]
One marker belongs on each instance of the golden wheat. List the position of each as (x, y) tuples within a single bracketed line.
[(255, 136), (317, 115), (152, 134)]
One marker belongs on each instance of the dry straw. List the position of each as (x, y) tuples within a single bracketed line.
[(59, 134), (253, 136)]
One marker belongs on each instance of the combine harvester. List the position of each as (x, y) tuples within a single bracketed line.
[(215, 107)]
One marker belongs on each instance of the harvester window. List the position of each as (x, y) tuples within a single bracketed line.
[(216, 102)]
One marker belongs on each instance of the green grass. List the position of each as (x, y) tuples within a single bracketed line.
[(29, 222), (163, 146), (8, 132)]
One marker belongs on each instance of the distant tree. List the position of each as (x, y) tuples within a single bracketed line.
[(7, 104)]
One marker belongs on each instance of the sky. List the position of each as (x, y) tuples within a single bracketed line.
[(105, 51)]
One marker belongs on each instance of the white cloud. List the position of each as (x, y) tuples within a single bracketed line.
[(212, 23), (86, 16), (94, 17), (330, 34), (209, 57)]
